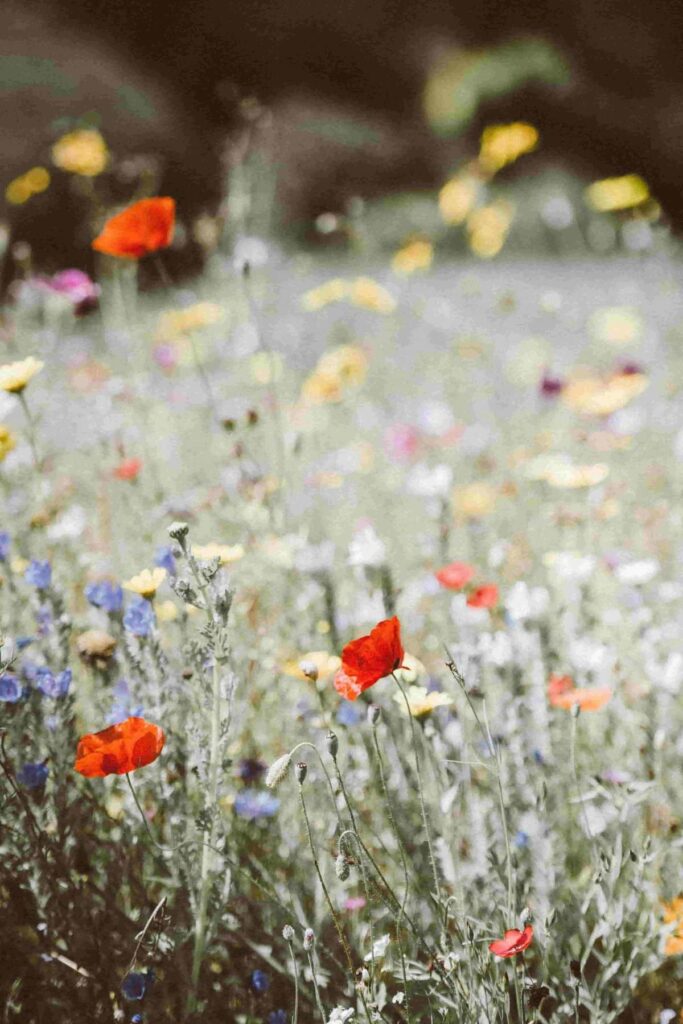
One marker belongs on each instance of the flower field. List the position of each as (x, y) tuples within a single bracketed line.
[(341, 614)]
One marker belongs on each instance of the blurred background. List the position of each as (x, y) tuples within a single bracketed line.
[(537, 126)]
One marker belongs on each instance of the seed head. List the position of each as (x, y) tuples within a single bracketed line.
[(341, 867), (332, 743), (288, 933), (178, 531), (309, 939), (301, 769), (277, 771)]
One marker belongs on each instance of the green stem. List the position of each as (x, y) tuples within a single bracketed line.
[(295, 972), (31, 430)]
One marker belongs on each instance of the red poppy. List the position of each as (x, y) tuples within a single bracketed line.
[(128, 469), (587, 698), (455, 576), (144, 227), (370, 658), (119, 749), (513, 942), (557, 685), (484, 597)]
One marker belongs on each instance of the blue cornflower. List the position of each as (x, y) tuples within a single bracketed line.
[(139, 617), (5, 542), (122, 706), (349, 714), (134, 986), (24, 641), (33, 776), (51, 685), (278, 1017), (105, 594), (259, 981), (39, 574), (256, 803), (43, 620), (521, 838), (137, 1018), (163, 557), (10, 688)]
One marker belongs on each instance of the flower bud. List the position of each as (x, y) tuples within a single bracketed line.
[(300, 770), (277, 771), (332, 743), (178, 531), (374, 714), (310, 670), (576, 710), (309, 939), (288, 933)]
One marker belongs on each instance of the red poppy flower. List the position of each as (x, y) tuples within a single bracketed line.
[(369, 658), (513, 942), (557, 685), (484, 597), (128, 469), (588, 698), (144, 227), (455, 576), (119, 749)]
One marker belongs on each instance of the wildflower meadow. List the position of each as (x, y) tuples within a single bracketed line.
[(341, 613)]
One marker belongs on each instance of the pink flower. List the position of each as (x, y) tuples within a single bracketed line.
[(401, 442), (354, 903)]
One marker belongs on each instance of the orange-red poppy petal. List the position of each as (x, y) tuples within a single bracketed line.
[(121, 748), (513, 942), (372, 657), (142, 228), (456, 575)]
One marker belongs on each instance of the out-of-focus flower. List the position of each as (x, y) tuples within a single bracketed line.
[(421, 701), (226, 553), (456, 575), (135, 985), (570, 565), (139, 617), (638, 573), (673, 914), (81, 152), (348, 363), (617, 193), (73, 287), (566, 475), (401, 441), (51, 685), (7, 441), (166, 611), (15, 376), (368, 294), (430, 481), (129, 469), (457, 197), (250, 769), (96, 646), (259, 980), (174, 323), (550, 385), (414, 255), (27, 185), (474, 501), (370, 658), (324, 294), (33, 775), (11, 689), (513, 942), (5, 545), (485, 596), (122, 748), (616, 325), (367, 549), (488, 227), (595, 396), (502, 144), (147, 582), (106, 595), (142, 228), (38, 574), (562, 693), (253, 804), (325, 664), (163, 559)]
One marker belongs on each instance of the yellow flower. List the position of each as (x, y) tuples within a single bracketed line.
[(326, 664), (27, 185), (673, 914), (81, 152), (421, 701), (617, 193), (593, 396), (166, 611), (415, 255), (321, 387), (178, 322), (7, 441), (225, 552), (347, 362), (146, 583), (617, 325), (502, 144), (19, 565), (324, 294), (368, 294), (487, 228), (474, 500), (565, 474), (15, 376), (457, 198), (266, 367)]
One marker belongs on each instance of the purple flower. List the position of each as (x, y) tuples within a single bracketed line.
[(139, 617), (43, 620), (122, 706), (250, 769), (5, 542), (256, 803), (550, 386), (39, 574), (33, 775), (165, 560), (349, 714), (259, 981), (278, 1017), (51, 685), (105, 594), (74, 285), (135, 985), (10, 688)]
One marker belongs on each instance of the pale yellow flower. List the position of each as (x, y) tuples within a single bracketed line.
[(347, 362), (673, 914), (488, 227), (15, 376), (457, 198), (175, 323), (319, 388), (166, 611), (593, 396), (368, 294), (415, 255), (81, 152), (567, 475), (474, 500), (324, 294), (7, 441), (27, 185), (616, 325), (617, 193), (502, 144), (411, 669), (146, 583), (19, 565), (421, 701), (326, 664), (266, 367), (227, 553)]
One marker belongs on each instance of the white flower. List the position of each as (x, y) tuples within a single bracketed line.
[(250, 250), (430, 481), (378, 950), (498, 553), (315, 557), (340, 1016), (636, 574), (70, 524), (367, 549), (435, 418), (463, 615), (569, 565), (496, 648), (522, 602)]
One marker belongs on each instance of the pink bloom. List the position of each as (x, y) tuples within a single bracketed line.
[(354, 903), (401, 442)]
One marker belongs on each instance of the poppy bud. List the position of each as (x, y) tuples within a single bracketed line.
[(341, 867), (300, 770), (374, 714), (288, 933), (310, 670), (277, 771), (309, 939), (332, 743), (178, 531), (576, 710)]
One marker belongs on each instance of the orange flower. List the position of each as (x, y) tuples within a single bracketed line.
[(455, 576), (128, 469), (370, 658), (484, 597), (119, 749), (144, 227), (513, 942), (562, 693)]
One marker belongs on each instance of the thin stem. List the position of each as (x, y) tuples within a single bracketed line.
[(315, 986), (577, 784), (295, 972), (31, 430)]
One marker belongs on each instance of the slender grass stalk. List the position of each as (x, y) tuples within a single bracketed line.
[(316, 990), (295, 975), (30, 431)]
